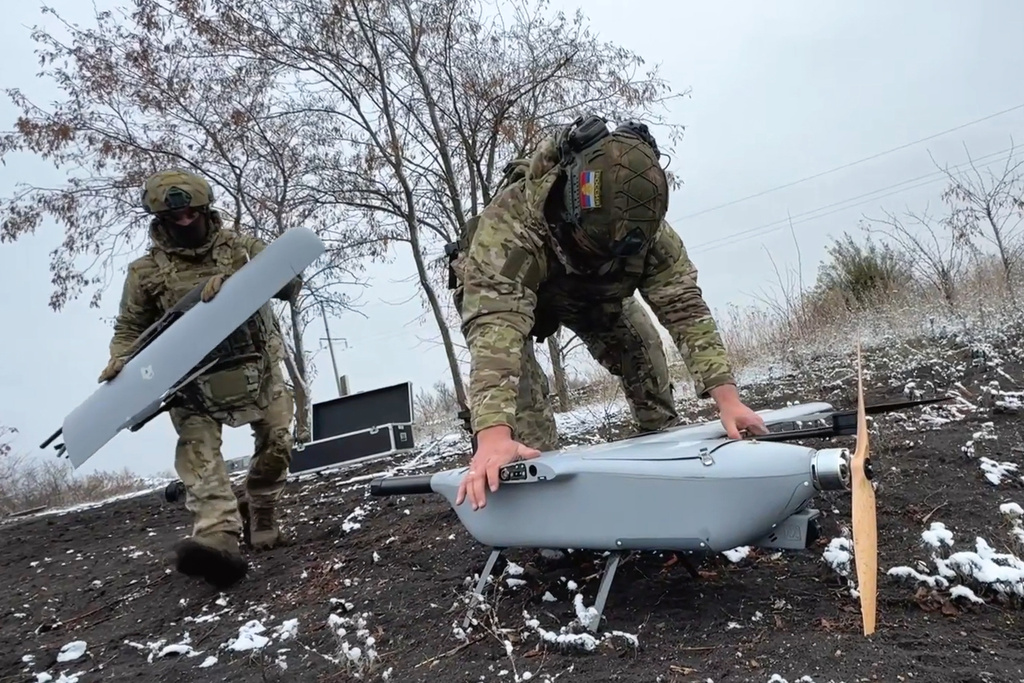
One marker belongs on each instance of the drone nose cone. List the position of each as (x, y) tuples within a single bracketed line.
[(830, 469)]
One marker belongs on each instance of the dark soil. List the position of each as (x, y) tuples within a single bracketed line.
[(103, 575)]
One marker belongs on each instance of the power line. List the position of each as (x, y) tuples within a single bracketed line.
[(852, 163), (935, 175), (807, 216), (842, 205)]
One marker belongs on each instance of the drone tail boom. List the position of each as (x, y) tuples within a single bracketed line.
[(412, 485)]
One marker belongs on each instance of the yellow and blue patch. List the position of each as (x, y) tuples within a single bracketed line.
[(590, 189)]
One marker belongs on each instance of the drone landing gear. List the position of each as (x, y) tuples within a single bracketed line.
[(614, 558), (606, 585), (481, 584)]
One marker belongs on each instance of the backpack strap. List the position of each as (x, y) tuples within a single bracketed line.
[(161, 259)]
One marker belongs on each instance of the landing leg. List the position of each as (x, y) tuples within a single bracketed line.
[(481, 584), (689, 566), (606, 585)]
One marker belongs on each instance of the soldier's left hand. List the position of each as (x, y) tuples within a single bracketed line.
[(737, 417), (213, 286)]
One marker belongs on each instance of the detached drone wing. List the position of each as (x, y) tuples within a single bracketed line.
[(865, 528)]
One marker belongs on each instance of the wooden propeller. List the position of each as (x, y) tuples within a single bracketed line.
[(865, 528)]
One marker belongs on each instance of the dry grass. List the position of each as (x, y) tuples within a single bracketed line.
[(794, 329), (27, 483)]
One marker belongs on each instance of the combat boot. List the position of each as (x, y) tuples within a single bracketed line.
[(215, 557), (260, 528)]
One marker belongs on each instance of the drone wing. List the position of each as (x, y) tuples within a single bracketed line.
[(865, 528)]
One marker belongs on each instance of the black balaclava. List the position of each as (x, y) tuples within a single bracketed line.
[(188, 228)]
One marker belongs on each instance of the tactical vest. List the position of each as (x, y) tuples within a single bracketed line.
[(236, 390)]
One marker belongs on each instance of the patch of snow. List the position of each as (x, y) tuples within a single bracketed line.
[(937, 535), (970, 574), (249, 637), (838, 554), (996, 471), (986, 433), (71, 651), (587, 616), (737, 554), (360, 658), (570, 637), (585, 420), (348, 524), (287, 629)]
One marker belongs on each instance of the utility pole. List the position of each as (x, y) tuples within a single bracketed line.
[(341, 382)]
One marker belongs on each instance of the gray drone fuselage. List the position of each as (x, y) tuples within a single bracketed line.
[(688, 488)]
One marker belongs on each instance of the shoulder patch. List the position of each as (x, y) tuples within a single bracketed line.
[(590, 189)]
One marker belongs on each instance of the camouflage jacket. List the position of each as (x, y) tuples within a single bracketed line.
[(162, 276), (509, 274)]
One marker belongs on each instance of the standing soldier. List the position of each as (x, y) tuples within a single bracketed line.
[(573, 233), (189, 247)]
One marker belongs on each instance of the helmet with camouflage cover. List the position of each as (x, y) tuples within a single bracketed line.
[(180, 203), (615, 192), (175, 189)]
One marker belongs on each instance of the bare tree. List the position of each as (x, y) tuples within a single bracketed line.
[(143, 92), (560, 347), (429, 100), (989, 206), (938, 255), (5, 439)]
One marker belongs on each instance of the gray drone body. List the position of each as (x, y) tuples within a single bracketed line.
[(684, 489), (688, 489), (172, 349)]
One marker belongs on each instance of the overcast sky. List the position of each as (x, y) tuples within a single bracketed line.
[(780, 91)]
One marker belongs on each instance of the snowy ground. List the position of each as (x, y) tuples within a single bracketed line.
[(378, 588)]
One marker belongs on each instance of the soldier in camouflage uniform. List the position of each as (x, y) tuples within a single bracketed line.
[(575, 231), (190, 246)]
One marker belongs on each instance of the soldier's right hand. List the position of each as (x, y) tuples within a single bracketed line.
[(495, 449), (114, 367)]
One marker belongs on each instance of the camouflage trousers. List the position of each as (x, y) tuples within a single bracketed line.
[(200, 464), (627, 345)]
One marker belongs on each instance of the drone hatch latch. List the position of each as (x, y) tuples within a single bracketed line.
[(705, 457)]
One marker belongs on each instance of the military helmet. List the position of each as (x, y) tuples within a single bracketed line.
[(175, 189), (616, 192)]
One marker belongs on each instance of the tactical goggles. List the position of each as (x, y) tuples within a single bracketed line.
[(176, 198), (179, 216)]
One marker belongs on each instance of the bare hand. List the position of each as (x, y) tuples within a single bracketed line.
[(495, 449), (737, 417)]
